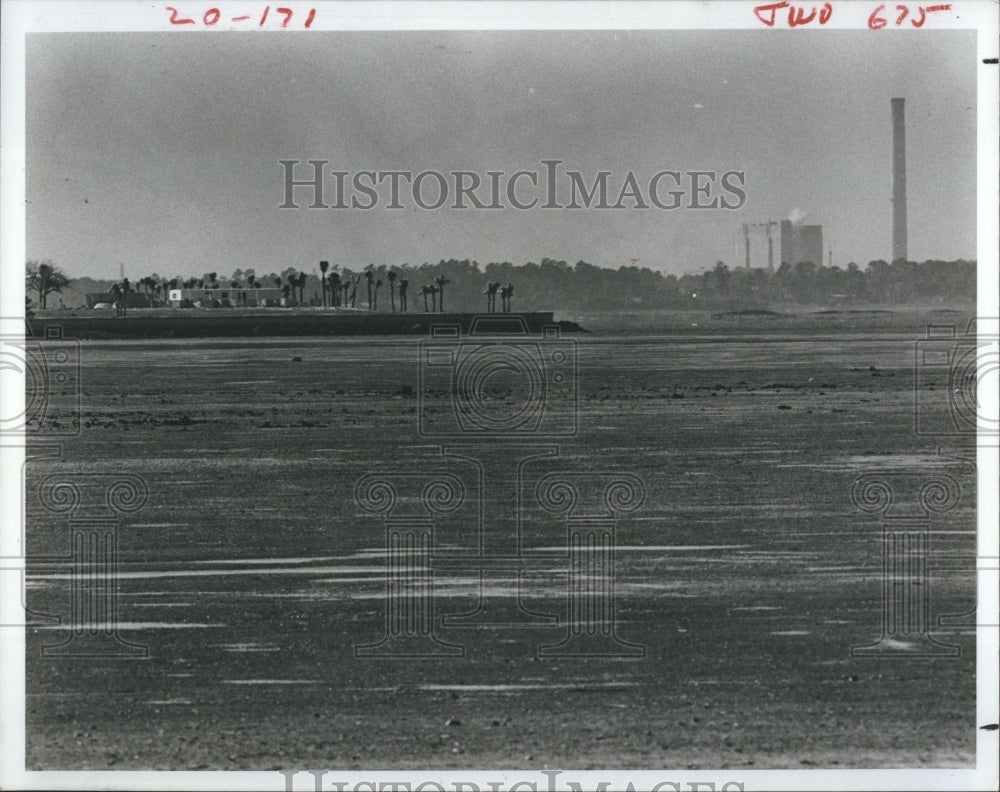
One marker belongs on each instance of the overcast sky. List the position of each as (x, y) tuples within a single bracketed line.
[(161, 151)]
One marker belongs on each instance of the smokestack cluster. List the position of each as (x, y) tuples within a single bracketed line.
[(898, 180)]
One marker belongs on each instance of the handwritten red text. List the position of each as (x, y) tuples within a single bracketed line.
[(282, 16), (877, 21), (797, 16)]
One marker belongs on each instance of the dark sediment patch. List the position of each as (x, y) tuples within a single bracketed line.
[(870, 312), (753, 313)]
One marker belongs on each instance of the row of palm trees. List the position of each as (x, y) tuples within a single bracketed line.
[(505, 292), (337, 290), (342, 290)]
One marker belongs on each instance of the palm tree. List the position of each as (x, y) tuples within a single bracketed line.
[(301, 283), (505, 294), (491, 297), (425, 290), (335, 289), (403, 284), (323, 267), (354, 290), (251, 280), (285, 290), (434, 291), (378, 285), (441, 280), (370, 277), (126, 288), (392, 289)]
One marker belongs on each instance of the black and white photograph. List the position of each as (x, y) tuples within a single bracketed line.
[(499, 396)]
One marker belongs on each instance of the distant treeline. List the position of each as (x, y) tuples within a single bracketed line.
[(557, 285)]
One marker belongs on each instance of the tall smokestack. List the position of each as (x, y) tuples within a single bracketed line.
[(898, 180)]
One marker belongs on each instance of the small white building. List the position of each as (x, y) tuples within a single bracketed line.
[(226, 297)]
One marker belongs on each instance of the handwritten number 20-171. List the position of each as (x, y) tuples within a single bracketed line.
[(213, 15)]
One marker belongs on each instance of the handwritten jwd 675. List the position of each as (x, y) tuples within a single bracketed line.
[(798, 16)]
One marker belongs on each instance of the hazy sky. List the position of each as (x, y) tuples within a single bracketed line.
[(161, 151)]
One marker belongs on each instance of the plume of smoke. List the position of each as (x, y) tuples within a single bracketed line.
[(797, 216)]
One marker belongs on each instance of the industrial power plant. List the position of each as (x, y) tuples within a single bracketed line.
[(797, 242), (804, 243)]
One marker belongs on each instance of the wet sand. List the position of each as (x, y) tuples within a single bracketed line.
[(747, 574)]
